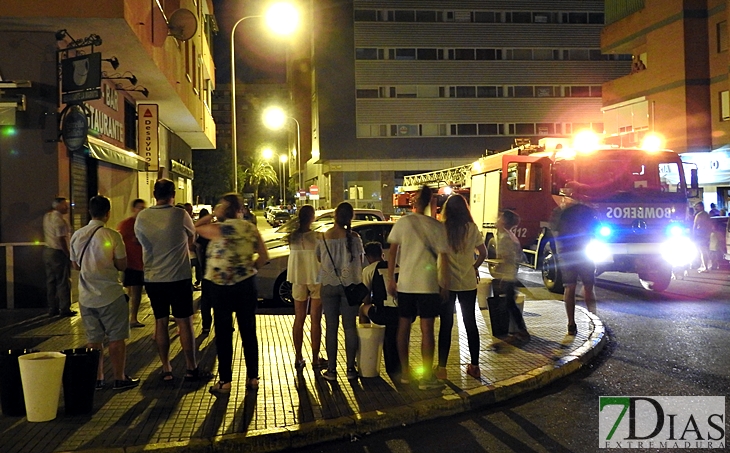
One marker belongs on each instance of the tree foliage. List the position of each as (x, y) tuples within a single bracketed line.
[(256, 171), (212, 175)]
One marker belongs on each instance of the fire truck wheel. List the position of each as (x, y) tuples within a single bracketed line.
[(551, 277), (657, 280)]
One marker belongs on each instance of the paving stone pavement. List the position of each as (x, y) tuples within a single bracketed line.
[(291, 408)]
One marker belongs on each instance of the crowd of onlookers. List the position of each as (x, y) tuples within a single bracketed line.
[(430, 265)]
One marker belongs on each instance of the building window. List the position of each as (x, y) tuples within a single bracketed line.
[(464, 54), (488, 129), (427, 54), (367, 93), (722, 36), (366, 54), (544, 92), (484, 17), (426, 16), (487, 92), (405, 54), (466, 129), (524, 92), (405, 16), (366, 15), (486, 54), (724, 105)]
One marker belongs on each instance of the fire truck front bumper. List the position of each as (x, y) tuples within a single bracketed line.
[(638, 257)]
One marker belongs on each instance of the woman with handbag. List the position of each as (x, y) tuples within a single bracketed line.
[(231, 269), (464, 238), (340, 253), (303, 274)]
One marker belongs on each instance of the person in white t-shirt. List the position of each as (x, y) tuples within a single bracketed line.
[(464, 238), (165, 233), (99, 253), (417, 241)]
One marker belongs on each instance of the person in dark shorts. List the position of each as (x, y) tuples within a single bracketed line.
[(575, 226), (134, 273), (166, 234), (420, 240)]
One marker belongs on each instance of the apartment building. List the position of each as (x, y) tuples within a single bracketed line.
[(410, 86), (144, 74), (680, 89)]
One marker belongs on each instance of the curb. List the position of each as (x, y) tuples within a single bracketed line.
[(307, 434)]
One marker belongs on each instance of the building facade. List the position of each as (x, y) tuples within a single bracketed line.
[(680, 90), (151, 107), (412, 86)]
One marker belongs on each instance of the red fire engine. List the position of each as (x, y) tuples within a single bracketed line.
[(640, 196)]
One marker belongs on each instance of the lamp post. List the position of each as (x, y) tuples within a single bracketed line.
[(282, 168), (274, 118), (282, 18)]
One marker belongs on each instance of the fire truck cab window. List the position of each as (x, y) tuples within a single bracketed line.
[(525, 176)]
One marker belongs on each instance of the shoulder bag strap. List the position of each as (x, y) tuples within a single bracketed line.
[(324, 239), (87, 244), (425, 238)]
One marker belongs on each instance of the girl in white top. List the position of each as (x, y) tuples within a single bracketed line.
[(464, 238), (303, 273), (340, 253)]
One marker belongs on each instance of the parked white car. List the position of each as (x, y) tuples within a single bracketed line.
[(322, 217), (272, 284)]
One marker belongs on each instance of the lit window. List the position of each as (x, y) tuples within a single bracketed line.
[(724, 105)]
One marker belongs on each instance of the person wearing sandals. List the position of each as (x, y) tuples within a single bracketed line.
[(464, 238), (340, 253), (166, 233), (231, 268), (303, 273)]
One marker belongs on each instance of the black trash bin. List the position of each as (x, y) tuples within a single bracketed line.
[(11, 387), (79, 380)]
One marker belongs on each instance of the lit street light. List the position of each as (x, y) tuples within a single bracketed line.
[(282, 19), (274, 118)]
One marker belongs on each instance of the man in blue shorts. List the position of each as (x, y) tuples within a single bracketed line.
[(166, 233), (98, 252), (576, 225)]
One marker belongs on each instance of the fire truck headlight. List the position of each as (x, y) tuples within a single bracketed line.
[(679, 251), (598, 251), (675, 230)]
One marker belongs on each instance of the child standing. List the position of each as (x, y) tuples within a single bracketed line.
[(509, 254)]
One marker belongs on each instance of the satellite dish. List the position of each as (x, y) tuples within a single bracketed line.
[(182, 24)]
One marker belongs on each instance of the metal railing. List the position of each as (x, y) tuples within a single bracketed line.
[(10, 268)]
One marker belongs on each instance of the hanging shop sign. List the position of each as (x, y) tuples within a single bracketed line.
[(75, 127), (148, 137), (81, 78)]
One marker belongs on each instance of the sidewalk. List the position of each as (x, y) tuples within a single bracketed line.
[(289, 410)]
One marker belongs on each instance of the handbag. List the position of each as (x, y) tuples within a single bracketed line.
[(356, 292)]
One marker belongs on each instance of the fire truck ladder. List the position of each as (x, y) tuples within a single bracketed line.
[(455, 176)]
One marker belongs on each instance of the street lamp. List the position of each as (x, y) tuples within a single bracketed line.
[(282, 168), (282, 19), (274, 118)]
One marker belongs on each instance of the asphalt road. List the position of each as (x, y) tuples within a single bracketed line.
[(671, 344)]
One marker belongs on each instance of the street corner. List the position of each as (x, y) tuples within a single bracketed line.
[(187, 446), (378, 420), (442, 406), (254, 441), (306, 434)]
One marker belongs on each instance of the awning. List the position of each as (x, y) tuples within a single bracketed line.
[(101, 150)]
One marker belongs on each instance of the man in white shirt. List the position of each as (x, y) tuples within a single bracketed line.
[(166, 233), (416, 243), (56, 232), (99, 253)]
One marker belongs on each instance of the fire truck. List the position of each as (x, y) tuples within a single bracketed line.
[(640, 195)]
